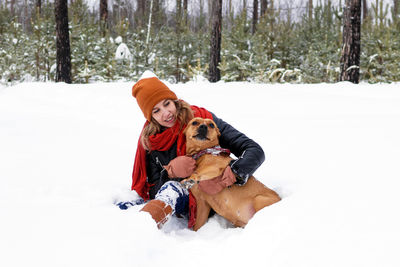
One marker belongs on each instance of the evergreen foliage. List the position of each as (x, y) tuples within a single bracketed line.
[(237, 51), (320, 42), (283, 49), (380, 47), (43, 45)]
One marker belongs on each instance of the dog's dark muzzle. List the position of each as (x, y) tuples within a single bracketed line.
[(202, 132)]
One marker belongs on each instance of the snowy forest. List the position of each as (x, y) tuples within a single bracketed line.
[(261, 41)]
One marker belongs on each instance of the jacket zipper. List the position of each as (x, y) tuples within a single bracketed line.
[(159, 163)]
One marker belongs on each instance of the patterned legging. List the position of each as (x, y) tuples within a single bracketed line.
[(175, 195)]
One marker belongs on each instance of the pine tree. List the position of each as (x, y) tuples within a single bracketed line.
[(84, 33), (317, 52), (14, 58), (142, 53), (381, 52), (43, 43), (237, 50)]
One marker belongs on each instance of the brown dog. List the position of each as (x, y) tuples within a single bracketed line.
[(236, 203)]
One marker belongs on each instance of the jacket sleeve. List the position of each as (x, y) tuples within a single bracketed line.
[(249, 154)]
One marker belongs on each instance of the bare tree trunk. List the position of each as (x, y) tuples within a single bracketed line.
[(39, 6), (38, 36), (271, 18), (25, 18), (178, 15), (310, 9), (350, 59), (178, 38), (244, 4), (12, 9), (264, 7), (103, 16), (63, 72), (149, 24), (103, 10), (185, 12), (200, 25), (210, 4), (230, 16), (215, 52), (140, 13), (365, 9), (157, 14), (255, 17), (396, 11)]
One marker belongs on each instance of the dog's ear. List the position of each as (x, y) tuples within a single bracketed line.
[(187, 126), (216, 128), (185, 130)]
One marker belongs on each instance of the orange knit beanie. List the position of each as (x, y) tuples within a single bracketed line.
[(148, 92)]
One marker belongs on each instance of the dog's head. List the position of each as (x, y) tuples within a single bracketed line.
[(201, 134)]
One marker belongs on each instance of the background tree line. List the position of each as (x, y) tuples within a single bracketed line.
[(260, 41)]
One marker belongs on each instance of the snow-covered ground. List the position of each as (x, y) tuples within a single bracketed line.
[(333, 154)]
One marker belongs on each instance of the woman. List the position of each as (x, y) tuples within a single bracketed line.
[(160, 162)]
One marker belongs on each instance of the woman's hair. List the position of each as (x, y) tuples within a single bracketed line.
[(184, 114)]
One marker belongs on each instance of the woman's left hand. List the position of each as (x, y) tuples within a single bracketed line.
[(180, 167)]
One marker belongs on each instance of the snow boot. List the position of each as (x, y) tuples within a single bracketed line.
[(159, 211)]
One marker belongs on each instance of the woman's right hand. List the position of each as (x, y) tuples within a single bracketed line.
[(215, 185), (181, 167)]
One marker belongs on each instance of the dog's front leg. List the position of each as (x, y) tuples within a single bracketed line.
[(191, 181), (203, 210)]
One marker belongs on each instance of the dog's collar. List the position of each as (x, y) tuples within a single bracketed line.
[(216, 150)]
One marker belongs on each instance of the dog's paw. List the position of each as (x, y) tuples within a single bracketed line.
[(188, 183)]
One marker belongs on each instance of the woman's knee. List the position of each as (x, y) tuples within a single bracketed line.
[(175, 195)]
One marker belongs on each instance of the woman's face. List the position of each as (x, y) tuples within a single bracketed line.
[(164, 112)]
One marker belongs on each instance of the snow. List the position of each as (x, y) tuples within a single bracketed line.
[(333, 153), (118, 40), (147, 74), (123, 52)]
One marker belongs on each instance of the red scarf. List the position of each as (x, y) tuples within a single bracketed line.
[(161, 142)]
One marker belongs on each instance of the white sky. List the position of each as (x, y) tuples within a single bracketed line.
[(193, 4)]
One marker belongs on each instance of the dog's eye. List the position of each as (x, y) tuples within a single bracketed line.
[(211, 125), (195, 123)]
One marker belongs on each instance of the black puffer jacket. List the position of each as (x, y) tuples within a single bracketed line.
[(249, 157)]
